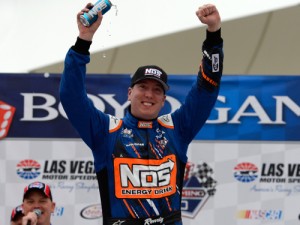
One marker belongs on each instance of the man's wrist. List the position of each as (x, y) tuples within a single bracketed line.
[(213, 38), (85, 36), (82, 46), (214, 28)]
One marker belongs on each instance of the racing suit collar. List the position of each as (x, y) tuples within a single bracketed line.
[(136, 122)]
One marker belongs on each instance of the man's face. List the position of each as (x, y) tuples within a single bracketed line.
[(147, 98), (37, 200)]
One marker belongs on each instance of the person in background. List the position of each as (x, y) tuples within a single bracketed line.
[(140, 159), (37, 204), (16, 216)]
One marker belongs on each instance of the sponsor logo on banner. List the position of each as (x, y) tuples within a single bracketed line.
[(91, 212), (69, 170), (58, 211), (6, 116), (278, 177), (28, 169), (58, 170), (253, 107), (260, 214), (245, 172), (198, 186), (222, 114)]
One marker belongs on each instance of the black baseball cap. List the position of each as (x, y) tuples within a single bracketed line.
[(39, 186), (16, 213), (150, 72)]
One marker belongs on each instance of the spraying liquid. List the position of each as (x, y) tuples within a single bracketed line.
[(114, 7)]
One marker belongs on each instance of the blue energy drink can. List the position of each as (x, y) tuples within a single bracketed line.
[(90, 17)]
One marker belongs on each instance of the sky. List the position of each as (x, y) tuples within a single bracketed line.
[(38, 33)]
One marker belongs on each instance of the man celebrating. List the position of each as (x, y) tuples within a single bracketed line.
[(140, 159), (37, 204)]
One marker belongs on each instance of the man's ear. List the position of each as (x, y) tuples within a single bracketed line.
[(53, 206), (129, 93), (163, 103)]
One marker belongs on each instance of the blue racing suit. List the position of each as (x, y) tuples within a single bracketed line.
[(140, 164)]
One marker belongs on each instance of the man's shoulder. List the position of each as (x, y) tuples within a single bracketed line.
[(114, 123), (166, 121)]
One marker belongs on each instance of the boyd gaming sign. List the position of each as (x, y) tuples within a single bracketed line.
[(247, 108)]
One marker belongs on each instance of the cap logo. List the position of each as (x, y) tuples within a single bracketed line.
[(19, 208), (36, 185), (154, 72)]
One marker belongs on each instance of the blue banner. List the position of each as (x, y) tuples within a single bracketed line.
[(248, 107)]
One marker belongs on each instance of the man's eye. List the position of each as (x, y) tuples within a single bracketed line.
[(158, 90)]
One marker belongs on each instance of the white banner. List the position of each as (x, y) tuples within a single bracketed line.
[(254, 182)]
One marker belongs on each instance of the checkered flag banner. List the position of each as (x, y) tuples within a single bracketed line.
[(203, 172)]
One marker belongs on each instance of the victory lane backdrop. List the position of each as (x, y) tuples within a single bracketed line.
[(243, 166), (248, 107)]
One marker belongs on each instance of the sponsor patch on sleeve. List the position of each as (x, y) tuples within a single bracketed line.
[(215, 63), (114, 123), (166, 121)]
